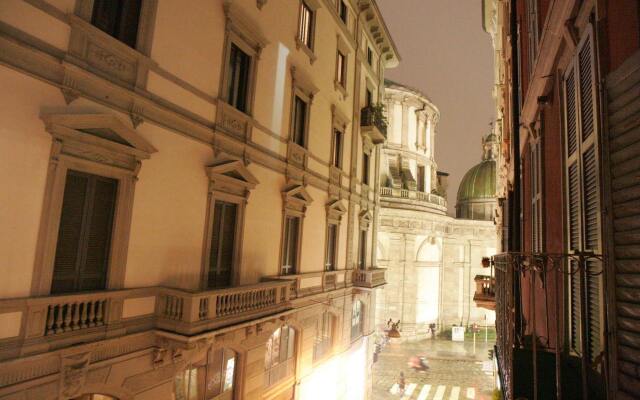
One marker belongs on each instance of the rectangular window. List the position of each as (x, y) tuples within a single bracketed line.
[(343, 12), (357, 320), (368, 99), (324, 334), (365, 168), (118, 18), (337, 149), (536, 197), (341, 69), (421, 178), (332, 247), (299, 121), (370, 56), (238, 78), (84, 236), (532, 32), (222, 245), (362, 250), (305, 30), (290, 245)]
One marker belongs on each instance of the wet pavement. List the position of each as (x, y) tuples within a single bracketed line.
[(455, 371)]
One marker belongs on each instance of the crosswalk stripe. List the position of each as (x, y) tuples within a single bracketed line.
[(424, 392), (439, 392), (471, 393), (409, 391), (455, 393)]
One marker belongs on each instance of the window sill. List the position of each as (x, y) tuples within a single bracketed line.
[(305, 49)]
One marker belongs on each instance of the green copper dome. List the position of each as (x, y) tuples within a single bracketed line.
[(479, 182)]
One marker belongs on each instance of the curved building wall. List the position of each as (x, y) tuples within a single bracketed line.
[(430, 257)]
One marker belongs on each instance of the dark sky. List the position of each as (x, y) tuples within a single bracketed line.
[(446, 54)]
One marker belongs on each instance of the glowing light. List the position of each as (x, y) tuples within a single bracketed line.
[(342, 376)]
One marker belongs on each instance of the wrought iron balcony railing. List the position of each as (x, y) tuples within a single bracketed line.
[(373, 124), (543, 350)]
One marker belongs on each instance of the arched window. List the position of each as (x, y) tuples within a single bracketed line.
[(357, 320), (324, 336), (279, 359), (210, 378)]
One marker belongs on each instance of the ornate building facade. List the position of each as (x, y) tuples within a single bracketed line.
[(192, 198), (431, 258)]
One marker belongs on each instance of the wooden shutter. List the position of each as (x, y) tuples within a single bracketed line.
[(583, 196), (222, 244), (84, 234), (623, 139)]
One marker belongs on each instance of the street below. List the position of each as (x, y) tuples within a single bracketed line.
[(455, 371)]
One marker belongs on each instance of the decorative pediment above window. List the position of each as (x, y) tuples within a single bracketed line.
[(231, 176), (101, 138), (296, 198), (242, 25), (340, 120), (365, 218), (303, 83), (335, 211)]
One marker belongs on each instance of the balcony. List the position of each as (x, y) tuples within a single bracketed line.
[(550, 353), (414, 196), (311, 283), (485, 295), (373, 123), (52, 322), (369, 278)]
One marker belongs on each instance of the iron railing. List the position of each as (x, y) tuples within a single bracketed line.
[(532, 292)]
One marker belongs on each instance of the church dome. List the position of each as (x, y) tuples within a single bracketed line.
[(479, 182), (477, 192)]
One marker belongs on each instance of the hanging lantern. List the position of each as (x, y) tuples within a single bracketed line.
[(486, 262)]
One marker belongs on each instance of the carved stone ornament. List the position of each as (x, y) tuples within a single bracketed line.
[(158, 356), (69, 95), (73, 374)]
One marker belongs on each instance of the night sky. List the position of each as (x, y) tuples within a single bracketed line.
[(446, 54)]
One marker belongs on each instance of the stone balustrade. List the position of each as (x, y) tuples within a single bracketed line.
[(40, 324), (314, 282), (413, 195), (369, 278)]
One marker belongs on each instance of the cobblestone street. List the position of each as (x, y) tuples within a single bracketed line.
[(455, 372)]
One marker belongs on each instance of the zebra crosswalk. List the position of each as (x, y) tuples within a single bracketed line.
[(434, 392)]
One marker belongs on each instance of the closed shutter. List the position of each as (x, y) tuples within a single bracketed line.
[(623, 86), (583, 197), (84, 234), (222, 244)]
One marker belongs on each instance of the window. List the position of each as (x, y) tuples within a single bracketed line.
[(299, 121), (84, 236), (421, 178), (337, 148), (357, 320), (279, 358), (324, 336), (118, 18), (343, 12), (290, 245), (532, 32), (535, 170), (238, 78), (583, 197), (341, 69), (365, 168), (362, 250), (369, 56), (332, 247), (208, 378), (368, 99), (222, 245), (305, 30)]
